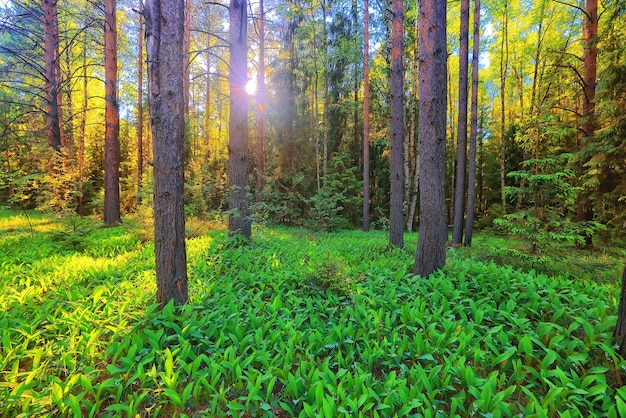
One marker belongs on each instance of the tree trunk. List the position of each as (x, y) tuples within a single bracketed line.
[(412, 201), (620, 327), (238, 218), (471, 178), (51, 40), (396, 217), (366, 119), (164, 29), (584, 210), (260, 114), (140, 111), (461, 163), (207, 103), (111, 138), (504, 62), (83, 126), (326, 101), (431, 248)]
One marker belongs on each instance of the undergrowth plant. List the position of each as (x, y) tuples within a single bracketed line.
[(81, 336)]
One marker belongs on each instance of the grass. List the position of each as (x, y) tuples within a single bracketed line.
[(295, 323)]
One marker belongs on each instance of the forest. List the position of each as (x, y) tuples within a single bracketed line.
[(312, 208)]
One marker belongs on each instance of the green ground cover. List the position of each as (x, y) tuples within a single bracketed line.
[(298, 323)]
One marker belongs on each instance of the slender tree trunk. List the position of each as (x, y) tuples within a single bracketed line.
[(238, 219), (260, 116), (410, 219), (326, 101), (81, 143), (111, 138), (366, 119), (314, 114), (140, 111), (164, 29), (504, 62), (207, 103), (431, 247), (51, 40), (461, 163), (59, 98), (7, 154), (584, 210), (396, 218), (471, 179)]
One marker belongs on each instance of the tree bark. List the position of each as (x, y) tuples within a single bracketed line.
[(326, 101), (471, 178), (431, 248), (164, 29), (461, 163), (81, 143), (238, 218), (260, 110), (140, 111), (51, 40), (584, 210), (620, 328), (504, 62), (366, 119), (396, 217), (111, 138), (413, 152)]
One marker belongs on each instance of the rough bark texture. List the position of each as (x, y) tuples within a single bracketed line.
[(504, 62), (584, 210), (238, 219), (431, 248), (396, 217), (164, 30), (366, 119), (111, 137), (620, 327), (459, 191), (471, 176), (51, 40)]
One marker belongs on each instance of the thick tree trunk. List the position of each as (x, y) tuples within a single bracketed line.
[(260, 110), (396, 218), (461, 163), (238, 218), (584, 211), (140, 112), (51, 40), (164, 29), (471, 178), (366, 119), (431, 247), (620, 327), (111, 138)]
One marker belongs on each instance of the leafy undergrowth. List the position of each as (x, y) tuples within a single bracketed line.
[(269, 332)]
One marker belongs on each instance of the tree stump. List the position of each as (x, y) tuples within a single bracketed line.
[(620, 327)]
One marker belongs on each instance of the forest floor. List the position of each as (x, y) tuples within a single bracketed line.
[(302, 323)]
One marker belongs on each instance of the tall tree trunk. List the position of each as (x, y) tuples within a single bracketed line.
[(410, 219), (140, 111), (584, 210), (326, 101), (366, 118), (164, 29), (396, 218), (504, 62), (111, 138), (51, 41), (7, 154), (471, 178), (431, 247), (260, 114), (81, 140), (186, 45), (207, 102), (238, 218), (461, 163)]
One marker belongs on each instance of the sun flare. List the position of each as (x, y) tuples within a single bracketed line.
[(251, 87)]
